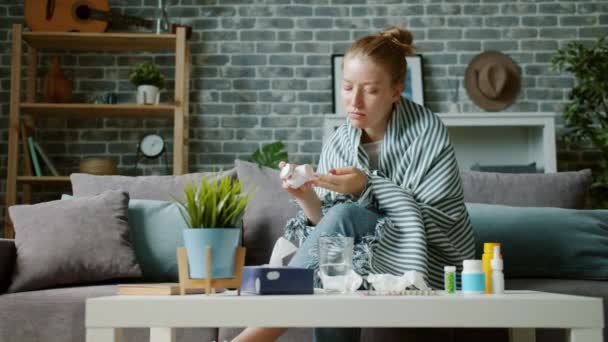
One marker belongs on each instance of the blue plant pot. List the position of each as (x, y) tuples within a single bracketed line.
[(223, 243)]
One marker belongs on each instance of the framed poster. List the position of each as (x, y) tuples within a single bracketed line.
[(414, 89)]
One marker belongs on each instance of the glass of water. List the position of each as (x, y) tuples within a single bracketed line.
[(335, 263)]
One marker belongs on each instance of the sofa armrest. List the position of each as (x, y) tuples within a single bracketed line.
[(7, 262)]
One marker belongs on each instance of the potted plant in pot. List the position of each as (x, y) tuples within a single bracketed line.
[(149, 81), (213, 213), (587, 112)]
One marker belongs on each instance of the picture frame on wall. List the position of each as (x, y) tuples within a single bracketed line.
[(414, 81)]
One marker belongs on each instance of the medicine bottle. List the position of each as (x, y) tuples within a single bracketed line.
[(449, 279), (498, 278), (472, 277), (486, 258)]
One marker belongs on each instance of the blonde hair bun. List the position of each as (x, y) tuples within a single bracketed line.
[(401, 37), (387, 49)]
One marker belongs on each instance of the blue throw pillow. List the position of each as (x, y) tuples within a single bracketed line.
[(156, 232), (156, 228), (544, 242)]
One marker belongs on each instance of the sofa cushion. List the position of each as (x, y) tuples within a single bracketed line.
[(7, 262), (267, 212), (562, 189), (156, 233), (164, 188), (545, 242), (156, 230), (57, 315), (72, 241)]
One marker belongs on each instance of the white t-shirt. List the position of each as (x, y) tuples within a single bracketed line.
[(373, 151)]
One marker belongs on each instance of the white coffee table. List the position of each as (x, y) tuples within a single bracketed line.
[(522, 311)]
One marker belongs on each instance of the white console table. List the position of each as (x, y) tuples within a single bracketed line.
[(494, 138), (522, 311)]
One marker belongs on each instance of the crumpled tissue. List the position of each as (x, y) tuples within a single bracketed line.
[(345, 284), (296, 176), (392, 283), (282, 249)]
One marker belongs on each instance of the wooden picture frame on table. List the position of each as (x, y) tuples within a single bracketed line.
[(414, 81)]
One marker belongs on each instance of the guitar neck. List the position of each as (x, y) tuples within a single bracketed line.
[(113, 17)]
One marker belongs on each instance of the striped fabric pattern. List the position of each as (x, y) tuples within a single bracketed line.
[(416, 187)]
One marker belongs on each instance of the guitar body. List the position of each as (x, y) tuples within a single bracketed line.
[(64, 15)]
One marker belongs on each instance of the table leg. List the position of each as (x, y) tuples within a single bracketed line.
[(104, 335), (586, 335), (162, 335), (522, 335)]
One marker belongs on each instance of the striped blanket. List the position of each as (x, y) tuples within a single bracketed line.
[(424, 224)]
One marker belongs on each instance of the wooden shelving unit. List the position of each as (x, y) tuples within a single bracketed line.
[(43, 179), (85, 110), (118, 42), (77, 41)]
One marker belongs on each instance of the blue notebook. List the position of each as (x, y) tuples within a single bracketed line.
[(34, 156)]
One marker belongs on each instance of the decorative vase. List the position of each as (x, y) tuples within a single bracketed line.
[(147, 94), (57, 88), (223, 243)]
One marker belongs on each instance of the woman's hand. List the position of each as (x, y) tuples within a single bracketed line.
[(306, 197), (345, 180), (303, 193)]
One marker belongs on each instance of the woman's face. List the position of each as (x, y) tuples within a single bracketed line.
[(367, 94)]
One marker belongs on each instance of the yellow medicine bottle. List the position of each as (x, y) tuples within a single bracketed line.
[(486, 258)]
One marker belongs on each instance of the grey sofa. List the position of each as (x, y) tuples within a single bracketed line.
[(58, 314)]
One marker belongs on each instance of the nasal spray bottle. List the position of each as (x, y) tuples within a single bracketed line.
[(488, 249), (498, 278)]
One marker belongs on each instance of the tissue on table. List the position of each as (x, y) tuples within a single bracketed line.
[(275, 278), (391, 283)]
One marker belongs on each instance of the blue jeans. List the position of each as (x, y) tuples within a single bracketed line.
[(348, 219)]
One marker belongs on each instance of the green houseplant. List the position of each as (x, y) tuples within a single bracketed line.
[(269, 155), (149, 80), (213, 212), (587, 113)]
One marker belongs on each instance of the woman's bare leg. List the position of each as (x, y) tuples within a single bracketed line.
[(259, 335)]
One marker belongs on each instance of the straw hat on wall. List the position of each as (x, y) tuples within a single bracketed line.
[(492, 80)]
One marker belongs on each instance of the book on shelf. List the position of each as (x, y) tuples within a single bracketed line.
[(23, 134), (46, 159), (167, 289), (34, 156)]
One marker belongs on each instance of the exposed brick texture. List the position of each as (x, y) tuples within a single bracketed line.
[(261, 71)]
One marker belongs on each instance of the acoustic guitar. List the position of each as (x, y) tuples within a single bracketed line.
[(75, 16)]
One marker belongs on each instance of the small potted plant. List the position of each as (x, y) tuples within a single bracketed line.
[(148, 80), (213, 213)]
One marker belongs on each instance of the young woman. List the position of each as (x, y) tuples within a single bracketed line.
[(388, 178)]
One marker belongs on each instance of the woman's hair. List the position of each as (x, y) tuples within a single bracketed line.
[(387, 49)]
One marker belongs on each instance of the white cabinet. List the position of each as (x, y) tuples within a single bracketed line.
[(503, 139), (494, 138)]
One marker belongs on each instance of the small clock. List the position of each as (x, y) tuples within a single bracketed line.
[(152, 145)]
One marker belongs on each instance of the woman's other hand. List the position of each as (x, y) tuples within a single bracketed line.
[(345, 180)]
